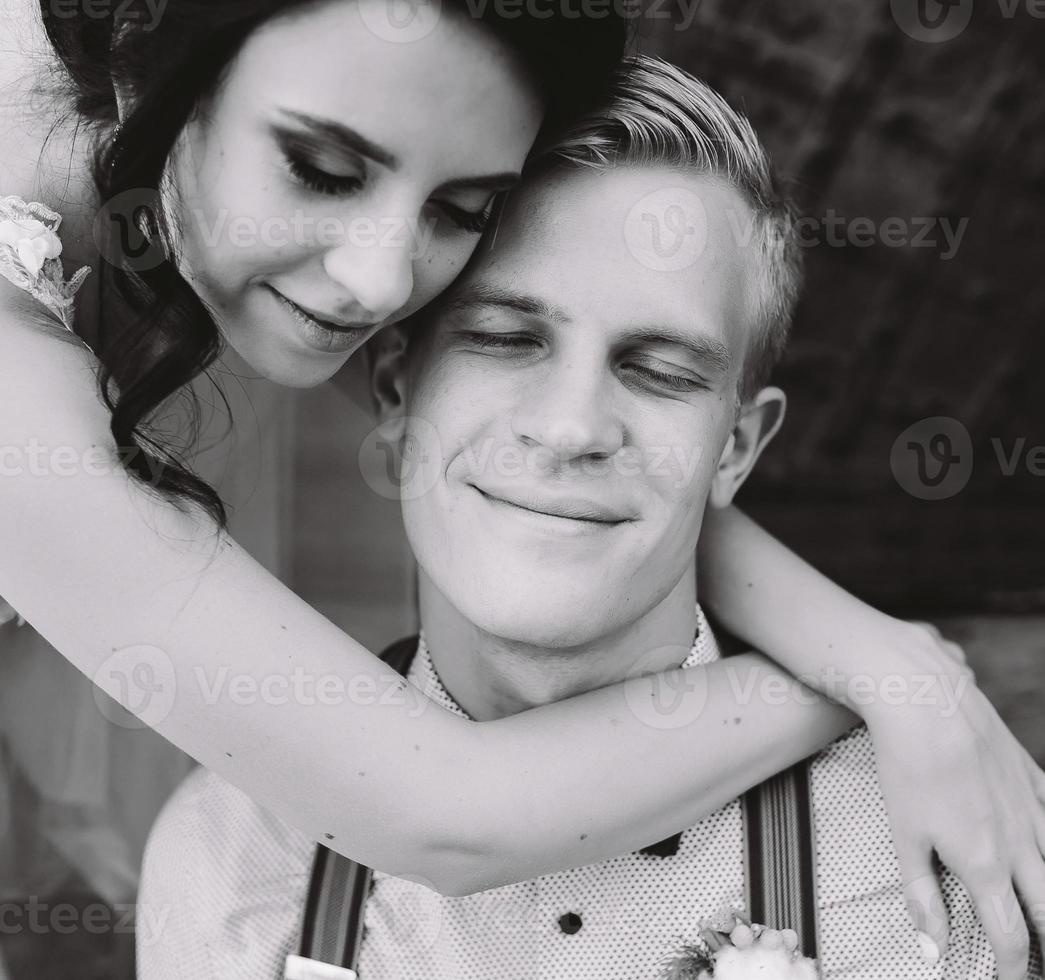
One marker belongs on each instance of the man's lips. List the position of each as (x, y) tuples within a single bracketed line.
[(570, 507)]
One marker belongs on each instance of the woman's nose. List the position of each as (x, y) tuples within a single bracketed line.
[(378, 276)]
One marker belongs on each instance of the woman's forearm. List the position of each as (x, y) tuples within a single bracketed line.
[(767, 595), (379, 773), (185, 629), (738, 722)]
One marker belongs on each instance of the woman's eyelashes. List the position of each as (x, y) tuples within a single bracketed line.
[(316, 179), (470, 221), (308, 173), (474, 222)]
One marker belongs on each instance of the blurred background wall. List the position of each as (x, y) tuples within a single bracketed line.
[(918, 154)]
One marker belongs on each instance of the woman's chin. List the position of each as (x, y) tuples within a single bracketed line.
[(282, 366)]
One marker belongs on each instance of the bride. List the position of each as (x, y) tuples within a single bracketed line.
[(333, 117)]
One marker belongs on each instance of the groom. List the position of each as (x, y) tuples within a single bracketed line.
[(593, 383)]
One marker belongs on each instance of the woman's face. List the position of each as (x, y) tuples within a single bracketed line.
[(340, 178)]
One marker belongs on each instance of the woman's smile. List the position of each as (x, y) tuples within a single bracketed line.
[(323, 335)]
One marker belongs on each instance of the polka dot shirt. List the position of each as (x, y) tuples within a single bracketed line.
[(224, 885)]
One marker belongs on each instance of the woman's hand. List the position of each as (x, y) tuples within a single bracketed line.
[(958, 784)]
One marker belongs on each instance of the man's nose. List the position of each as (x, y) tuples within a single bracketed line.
[(569, 414)]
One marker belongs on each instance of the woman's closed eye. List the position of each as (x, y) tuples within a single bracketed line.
[(474, 222), (318, 180)]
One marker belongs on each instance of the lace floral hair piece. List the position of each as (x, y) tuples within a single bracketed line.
[(30, 256)]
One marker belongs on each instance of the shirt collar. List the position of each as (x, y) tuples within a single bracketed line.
[(705, 650), (423, 675)]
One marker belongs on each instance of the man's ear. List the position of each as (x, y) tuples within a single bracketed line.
[(757, 422), (386, 360)]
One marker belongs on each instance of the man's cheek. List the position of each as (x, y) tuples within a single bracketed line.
[(674, 465)]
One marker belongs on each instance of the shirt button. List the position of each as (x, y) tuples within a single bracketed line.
[(570, 923)]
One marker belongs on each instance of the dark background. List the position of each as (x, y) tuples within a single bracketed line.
[(871, 123)]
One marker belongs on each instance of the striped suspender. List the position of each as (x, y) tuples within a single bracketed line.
[(781, 855), (333, 929), (332, 932), (780, 873)]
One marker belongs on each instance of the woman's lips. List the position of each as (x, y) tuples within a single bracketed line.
[(322, 335), (341, 326)]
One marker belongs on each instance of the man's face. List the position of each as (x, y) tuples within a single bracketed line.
[(574, 401)]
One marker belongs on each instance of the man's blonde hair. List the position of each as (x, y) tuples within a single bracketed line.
[(656, 114)]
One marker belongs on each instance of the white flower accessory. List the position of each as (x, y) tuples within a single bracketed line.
[(740, 950), (30, 256)]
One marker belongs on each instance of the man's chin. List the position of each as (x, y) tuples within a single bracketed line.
[(538, 618)]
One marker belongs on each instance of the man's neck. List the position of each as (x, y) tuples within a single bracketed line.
[(492, 677)]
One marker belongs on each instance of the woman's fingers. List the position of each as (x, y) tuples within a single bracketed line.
[(1038, 823), (1035, 775), (1030, 882), (924, 902), (992, 892)]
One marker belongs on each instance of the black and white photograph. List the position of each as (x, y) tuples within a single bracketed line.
[(522, 489)]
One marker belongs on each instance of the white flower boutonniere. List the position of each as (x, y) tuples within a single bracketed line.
[(30, 256), (739, 950)]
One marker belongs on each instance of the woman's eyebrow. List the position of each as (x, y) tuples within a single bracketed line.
[(343, 136)]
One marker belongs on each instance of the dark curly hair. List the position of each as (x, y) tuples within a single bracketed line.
[(171, 57)]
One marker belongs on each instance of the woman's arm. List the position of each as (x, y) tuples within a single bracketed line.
[(956, 781), (185, 629)]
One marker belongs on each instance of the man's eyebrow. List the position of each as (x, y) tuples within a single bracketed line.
[(479, 295), (707, 349), (344, 136)]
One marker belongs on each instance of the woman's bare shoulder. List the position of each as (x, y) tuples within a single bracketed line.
[(48, 377)]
